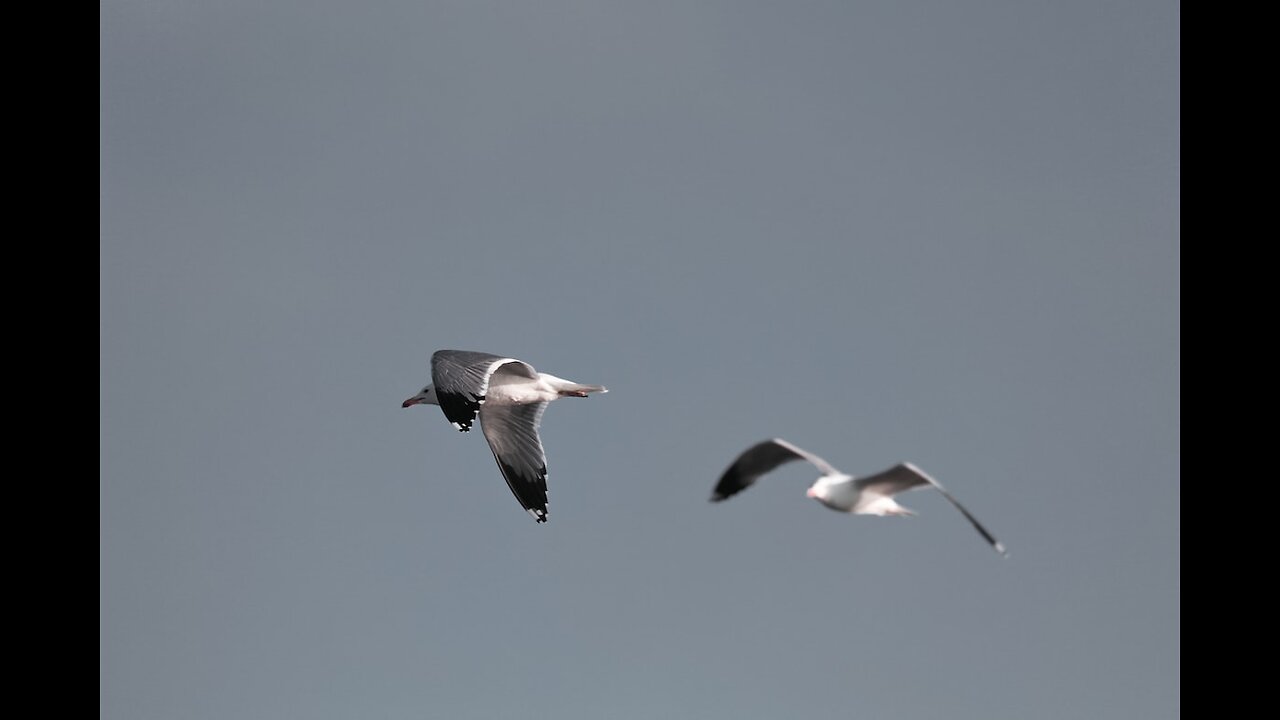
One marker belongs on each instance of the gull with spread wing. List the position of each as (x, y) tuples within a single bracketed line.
[(871, 495), (510, 397)]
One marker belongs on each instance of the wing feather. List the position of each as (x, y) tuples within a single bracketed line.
[(512, 432), (906, 476), (461, 379), (759, 460)]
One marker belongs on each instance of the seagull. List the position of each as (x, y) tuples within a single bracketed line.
[(871, 495), (510, 397)]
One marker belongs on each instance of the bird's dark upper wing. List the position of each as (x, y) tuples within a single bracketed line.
[(758, 460), (461, 380)]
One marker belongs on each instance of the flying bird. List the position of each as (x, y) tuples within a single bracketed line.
[(510, 397), (871, 495)]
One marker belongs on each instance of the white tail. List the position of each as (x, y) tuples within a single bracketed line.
[(573, 389)]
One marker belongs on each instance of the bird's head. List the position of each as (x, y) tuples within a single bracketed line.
[(817, 491), (426, 397), (830, 490)]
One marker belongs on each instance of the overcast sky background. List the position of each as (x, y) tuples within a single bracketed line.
[(930, 231)]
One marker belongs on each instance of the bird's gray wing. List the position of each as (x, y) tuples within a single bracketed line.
[(512, 432), (906, 476), (758, 460), (461, 380)]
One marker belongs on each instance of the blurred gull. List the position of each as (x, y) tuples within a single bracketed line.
[(871, 495)]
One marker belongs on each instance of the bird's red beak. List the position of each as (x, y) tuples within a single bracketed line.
[(411, 401), (807, 493)]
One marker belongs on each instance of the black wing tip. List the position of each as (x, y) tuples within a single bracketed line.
[(523, 487), (460, 410)]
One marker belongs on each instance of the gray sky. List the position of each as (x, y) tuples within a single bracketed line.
[(929, 231)]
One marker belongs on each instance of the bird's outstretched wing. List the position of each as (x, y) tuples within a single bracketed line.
[(758, 460), (461, 380), (512, 432), (905, 476)]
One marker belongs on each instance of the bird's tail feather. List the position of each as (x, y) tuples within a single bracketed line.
[(567, 387)]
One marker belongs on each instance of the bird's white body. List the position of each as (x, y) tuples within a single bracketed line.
[(516, 390), (839, 492)]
